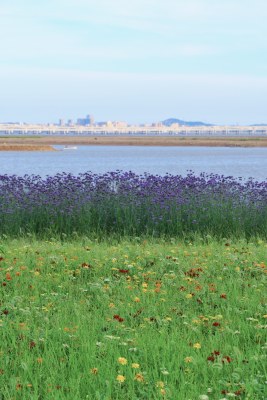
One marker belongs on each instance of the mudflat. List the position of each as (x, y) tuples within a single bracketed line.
[(44, 143), (25, 147)]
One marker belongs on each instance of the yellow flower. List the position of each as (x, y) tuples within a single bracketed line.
[(139, 378), (111, 305), (135, 365), (160, 384), (39, 360), (189, 296), (122, 360), (120, 378), (197, 346), (94, 371), (188, 359), (136, 300)]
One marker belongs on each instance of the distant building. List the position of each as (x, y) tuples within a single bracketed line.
[(89, 120), (157, 125), (120, 124), (102, 123), (175, 126), (61, 122)]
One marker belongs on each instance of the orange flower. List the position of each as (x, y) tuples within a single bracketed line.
[(94, 371), (122, 360), (139, 378), (8, 276)]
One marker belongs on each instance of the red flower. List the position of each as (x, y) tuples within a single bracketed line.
[(118, 318), (86, 266), (227, 358), (123, 271), (5, 312), (1, 258), (216, 324), (194, 272), (223, 296), (238, 392), (32, 344), (211, 358), (4, 284)]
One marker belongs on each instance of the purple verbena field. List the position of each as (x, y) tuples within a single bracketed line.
[(126, 204)]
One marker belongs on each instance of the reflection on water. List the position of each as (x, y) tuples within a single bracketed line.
[(237, 162)]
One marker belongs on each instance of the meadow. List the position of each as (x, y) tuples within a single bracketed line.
[(128, 287), (135, 319)]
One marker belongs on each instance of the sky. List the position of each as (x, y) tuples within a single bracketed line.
[(140, 61)]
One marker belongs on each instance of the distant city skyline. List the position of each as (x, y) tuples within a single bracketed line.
[(198, 60)]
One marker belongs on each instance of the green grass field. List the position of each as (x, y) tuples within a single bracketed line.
[(132, 320)]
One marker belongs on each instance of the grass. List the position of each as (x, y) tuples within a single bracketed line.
[(140, 319)]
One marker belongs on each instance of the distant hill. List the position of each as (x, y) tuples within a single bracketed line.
[(170, 121)]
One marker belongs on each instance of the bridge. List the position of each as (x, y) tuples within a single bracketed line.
[(56, 130)]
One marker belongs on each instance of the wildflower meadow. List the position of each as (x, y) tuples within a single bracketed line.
[(127, 287)]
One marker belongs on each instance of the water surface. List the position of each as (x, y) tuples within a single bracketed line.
[(237, 162)]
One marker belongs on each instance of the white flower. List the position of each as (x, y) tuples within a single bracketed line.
[(165, 372)]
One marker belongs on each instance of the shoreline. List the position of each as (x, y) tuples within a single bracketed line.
[(45, 143)]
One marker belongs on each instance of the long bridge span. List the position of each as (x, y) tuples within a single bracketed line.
[(204, 131)]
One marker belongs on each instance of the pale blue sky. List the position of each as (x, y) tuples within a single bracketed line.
[(139, 61)]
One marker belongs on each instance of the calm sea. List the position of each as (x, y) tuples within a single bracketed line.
[(237, 162)]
